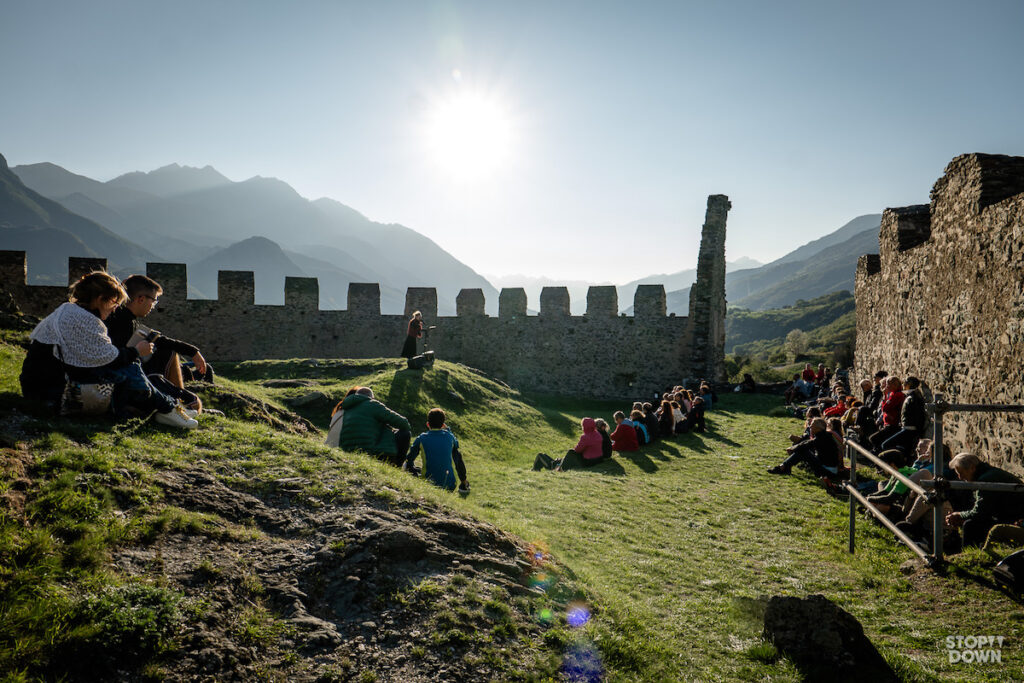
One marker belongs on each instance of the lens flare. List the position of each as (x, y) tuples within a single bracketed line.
[(577, 615), (582, 663), (545, 616)]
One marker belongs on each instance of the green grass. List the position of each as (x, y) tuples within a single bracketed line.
[(675, 541), (675, 545)]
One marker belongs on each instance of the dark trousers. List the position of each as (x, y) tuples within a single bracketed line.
[(905, 440), (804, 453), (460, 465), (134, 394), (976, 529), (162, 384), (881, 436), (403, 437)]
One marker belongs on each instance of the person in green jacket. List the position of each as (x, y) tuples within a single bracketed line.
[(372, 427), (990, 507)]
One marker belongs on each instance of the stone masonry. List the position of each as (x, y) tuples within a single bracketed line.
[(944, 300), (597, 355)]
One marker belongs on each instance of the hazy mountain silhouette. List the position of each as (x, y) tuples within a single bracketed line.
[(48, 249), (171, 180), (184, 214), (533, 286), (674, 281), (827, 264), (70, 235)]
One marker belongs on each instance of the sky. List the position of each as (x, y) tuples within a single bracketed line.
[(574, 140)]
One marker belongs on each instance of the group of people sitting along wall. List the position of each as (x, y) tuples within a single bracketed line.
[(362, 423), (890, 420), (93, 350), (679, 412)]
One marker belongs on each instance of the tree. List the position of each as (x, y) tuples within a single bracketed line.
[(796, 342)]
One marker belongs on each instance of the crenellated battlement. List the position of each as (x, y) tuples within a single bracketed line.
[(598, 355), (236, 289)]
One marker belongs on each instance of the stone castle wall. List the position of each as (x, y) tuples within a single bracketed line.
[(597, 355), (944, 300)]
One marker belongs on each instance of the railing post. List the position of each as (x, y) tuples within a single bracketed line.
[(938, 470), (851, 452)]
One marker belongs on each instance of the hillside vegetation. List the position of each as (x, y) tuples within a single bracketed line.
[(756, 341), (248, 549)]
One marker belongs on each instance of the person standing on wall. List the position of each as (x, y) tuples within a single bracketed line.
[(414, 332)]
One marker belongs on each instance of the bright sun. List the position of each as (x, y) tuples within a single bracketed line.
[(469, 135)]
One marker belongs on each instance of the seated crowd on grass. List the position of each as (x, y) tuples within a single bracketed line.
[(889, 419), (678, 412)]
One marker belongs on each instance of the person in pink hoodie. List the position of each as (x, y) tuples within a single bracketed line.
[(587, 450)]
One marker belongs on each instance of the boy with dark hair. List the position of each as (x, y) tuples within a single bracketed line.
[(162, 367), (440, 450)]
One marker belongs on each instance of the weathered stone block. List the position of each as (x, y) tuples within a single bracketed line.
[(470, 302), (422, 299), (649, 301), (364, 298), (512, 302), (302, 293), (236, 288), (79, 266), (602, 301), (13, 269), (554, 301)]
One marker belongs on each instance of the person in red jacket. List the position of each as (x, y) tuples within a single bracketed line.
[(624, 436), (888, 413), (808, 374)]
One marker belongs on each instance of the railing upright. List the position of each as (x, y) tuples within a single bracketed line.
[(938, 472), (852, 454)]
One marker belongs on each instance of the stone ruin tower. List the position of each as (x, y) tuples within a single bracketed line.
[(707, 296)]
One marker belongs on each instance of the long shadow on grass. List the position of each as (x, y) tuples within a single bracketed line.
[(693, 441), (405, 387), (983, 580), (640, 459)]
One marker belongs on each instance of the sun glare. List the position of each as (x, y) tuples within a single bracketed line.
[(468, 135)]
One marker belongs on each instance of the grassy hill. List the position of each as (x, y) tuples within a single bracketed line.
[(756, 340), (247, 548)]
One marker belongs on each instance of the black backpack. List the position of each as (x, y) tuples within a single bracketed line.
[(1010, 572)]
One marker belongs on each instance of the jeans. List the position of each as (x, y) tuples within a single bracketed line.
[(133, 392)]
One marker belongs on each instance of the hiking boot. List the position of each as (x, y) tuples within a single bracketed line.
[(176, 418), (464, 487), (778, 469)]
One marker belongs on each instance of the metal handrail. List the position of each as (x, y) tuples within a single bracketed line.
[(880, 516), (932, 490), (904, 479), (959, 485)]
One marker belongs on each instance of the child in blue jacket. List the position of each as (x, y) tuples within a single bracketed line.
[(440, 450)]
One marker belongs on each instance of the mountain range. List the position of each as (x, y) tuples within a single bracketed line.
[(199, 217), (827, 264)]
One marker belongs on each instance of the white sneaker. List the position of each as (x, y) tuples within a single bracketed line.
[(176, 418), (189, 412)]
